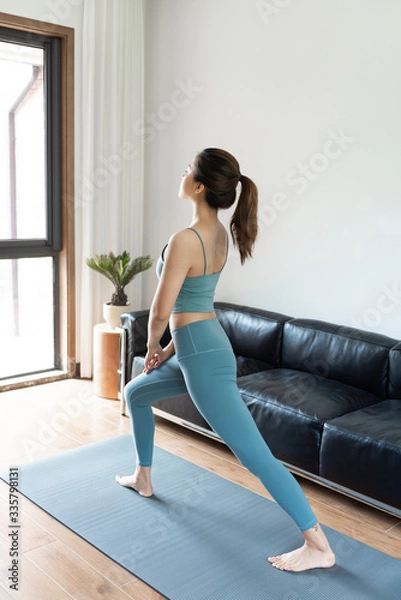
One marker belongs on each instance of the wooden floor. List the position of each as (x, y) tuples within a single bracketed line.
[(56, 564)]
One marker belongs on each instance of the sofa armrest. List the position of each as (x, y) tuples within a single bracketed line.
[(136, 332)]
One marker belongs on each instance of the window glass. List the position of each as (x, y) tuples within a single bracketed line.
[(22, 143), (26, 316)]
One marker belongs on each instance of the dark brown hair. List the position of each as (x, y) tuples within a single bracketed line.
[(219, 172)]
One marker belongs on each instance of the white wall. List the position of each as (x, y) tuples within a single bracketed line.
[(306, 94), (272, 82), (61, 12)]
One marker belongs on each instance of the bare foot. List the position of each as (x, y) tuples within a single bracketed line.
[(314, 554), (132, 481)]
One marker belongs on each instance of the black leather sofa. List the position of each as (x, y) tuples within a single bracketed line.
[(327, 398)]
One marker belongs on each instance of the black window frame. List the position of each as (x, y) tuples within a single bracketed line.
[(51, 245)]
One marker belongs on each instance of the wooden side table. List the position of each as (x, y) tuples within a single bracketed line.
[(106, 361)]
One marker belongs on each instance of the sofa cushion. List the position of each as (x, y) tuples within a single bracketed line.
[(354, 357), (246, 366), (362, 451), (394, 388), (254, 334), (290, 409)]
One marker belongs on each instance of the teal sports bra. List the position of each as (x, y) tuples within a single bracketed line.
[(196, 293)]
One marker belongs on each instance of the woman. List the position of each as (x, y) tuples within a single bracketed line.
[(199, 359)]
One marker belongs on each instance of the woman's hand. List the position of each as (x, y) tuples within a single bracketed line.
[(154, 357)]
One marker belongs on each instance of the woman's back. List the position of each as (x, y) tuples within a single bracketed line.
[(212, 254)]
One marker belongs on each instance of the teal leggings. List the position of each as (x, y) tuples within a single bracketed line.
[(204, 366)]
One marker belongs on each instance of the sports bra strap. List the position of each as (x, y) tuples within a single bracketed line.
[(203, 248)]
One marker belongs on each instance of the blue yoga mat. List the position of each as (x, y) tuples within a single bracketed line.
[(200, 537)]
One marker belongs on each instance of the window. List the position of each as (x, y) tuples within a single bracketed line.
[(36, 298)]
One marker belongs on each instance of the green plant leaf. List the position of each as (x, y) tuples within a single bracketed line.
[(120, 270)]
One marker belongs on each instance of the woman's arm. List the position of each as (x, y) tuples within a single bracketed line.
[(177, 262)]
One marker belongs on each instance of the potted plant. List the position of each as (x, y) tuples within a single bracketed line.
[(120, 270)]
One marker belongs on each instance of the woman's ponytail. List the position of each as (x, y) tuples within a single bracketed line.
[(244, 222), (220, 173)]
